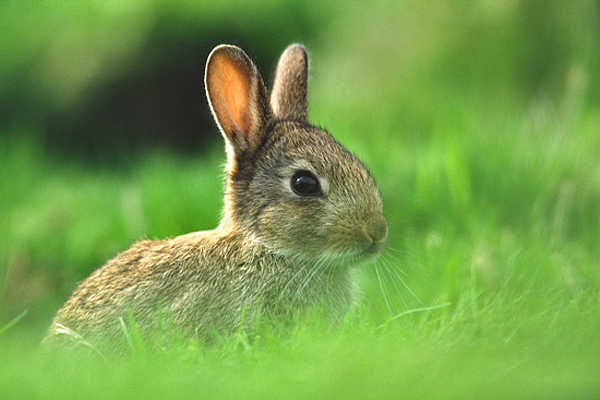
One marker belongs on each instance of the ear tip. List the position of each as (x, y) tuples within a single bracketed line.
[(294, 55), (227, 48), (228, 51), (297, 46), (296, 49)]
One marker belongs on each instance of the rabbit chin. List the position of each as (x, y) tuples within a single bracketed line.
[(328, 257), (335, 259)]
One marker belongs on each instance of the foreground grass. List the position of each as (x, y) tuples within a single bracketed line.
[(500, 355)]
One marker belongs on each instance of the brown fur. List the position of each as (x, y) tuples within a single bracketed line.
[(275, 253)]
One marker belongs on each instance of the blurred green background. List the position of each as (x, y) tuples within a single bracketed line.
[(480, 120)]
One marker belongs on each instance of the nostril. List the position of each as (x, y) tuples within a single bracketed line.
[(376, 231)]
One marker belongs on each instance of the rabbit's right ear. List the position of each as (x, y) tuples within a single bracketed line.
[(238, 98)]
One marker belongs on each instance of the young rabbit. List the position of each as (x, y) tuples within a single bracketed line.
[(300, 211)]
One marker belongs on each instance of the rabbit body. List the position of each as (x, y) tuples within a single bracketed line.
[(300, 211), (187, 280)]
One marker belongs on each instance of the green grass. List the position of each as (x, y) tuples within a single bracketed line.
[(495, 244), (489, 288)]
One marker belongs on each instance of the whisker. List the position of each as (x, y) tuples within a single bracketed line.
[(393, 249), (402, 253), (391, 274), (395, 272), (311, 273), (296, 275), (383, 290), (396, 259)]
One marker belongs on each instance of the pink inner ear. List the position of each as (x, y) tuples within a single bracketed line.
[(233, 84)]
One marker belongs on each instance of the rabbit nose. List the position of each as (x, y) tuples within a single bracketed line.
[(376, 231)]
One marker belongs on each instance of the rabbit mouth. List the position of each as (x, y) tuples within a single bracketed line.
[(353, 258), (375, 248)]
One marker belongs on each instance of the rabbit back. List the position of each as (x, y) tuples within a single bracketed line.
[(198, 285)]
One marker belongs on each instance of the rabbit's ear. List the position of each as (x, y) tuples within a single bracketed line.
[(289, 98), (237, 97)]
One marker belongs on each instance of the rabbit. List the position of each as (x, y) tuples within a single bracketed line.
[(300, 213)]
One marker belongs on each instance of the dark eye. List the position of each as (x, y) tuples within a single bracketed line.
[(304, 183)]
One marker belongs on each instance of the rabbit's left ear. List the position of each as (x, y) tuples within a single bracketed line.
[(238, 98), (289, 98)]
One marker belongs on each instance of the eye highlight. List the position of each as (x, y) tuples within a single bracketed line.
[(304, 183)]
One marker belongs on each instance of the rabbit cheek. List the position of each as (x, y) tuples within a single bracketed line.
[(289, 231)]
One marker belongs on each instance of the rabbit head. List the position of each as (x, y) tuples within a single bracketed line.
[(289, 186)]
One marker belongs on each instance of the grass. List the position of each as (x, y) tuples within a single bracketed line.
[(489, 288), (483, 294), (465, 361)]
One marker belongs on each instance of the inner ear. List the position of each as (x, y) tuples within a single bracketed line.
[(229, 81)]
